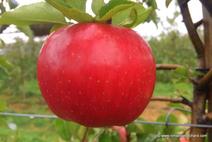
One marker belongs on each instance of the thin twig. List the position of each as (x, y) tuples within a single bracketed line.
[(197, 24), (168, 66), (181, 100), (193, 81)]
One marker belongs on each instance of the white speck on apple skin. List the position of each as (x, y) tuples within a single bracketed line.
[(90, 78), (130, 57), (131, 82), (80, 92), (60, 82), (61, 92), (72, 54)]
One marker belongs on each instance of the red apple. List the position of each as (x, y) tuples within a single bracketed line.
[(96, 74)]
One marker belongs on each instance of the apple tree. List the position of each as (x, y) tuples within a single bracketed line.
[(71, 25)]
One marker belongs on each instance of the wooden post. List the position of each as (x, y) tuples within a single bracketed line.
[(207, 21)]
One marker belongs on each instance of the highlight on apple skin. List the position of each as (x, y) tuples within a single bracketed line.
[(96, 74)]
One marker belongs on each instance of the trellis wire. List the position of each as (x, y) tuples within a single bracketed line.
[(32, 116)]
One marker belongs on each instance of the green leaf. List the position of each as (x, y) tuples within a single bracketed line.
[(168, 2), (168, 129), (97, 5), (152, 3), (70, 12), (132, 16), (26, 30), (134, 127), (105, 137), (78, 4), (153, 16), (66, 129), (31, 14), (142, 14), (115, 137), (110, 9), (125, 17)]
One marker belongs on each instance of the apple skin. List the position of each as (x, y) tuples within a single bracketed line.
[(96, 74)]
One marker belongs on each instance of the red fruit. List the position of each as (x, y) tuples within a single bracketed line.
[(96, 74)]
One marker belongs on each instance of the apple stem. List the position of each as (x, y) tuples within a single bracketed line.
[(109, 21), (85, 134)]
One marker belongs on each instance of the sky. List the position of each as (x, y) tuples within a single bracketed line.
[(146, 29)]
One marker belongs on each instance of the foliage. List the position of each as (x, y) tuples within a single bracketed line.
[(55, 12), (31, 14), (63, 131), (173, 48), (20, 68)]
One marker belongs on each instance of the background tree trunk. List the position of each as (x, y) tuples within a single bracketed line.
[(202, 91), (208, 59)]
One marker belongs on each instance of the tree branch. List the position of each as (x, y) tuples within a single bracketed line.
[(197, 24), (207, 4), (198, 45), (205, 79), (181, 100), (168, 66)]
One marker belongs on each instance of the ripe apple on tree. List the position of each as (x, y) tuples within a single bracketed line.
[(98, 72)]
